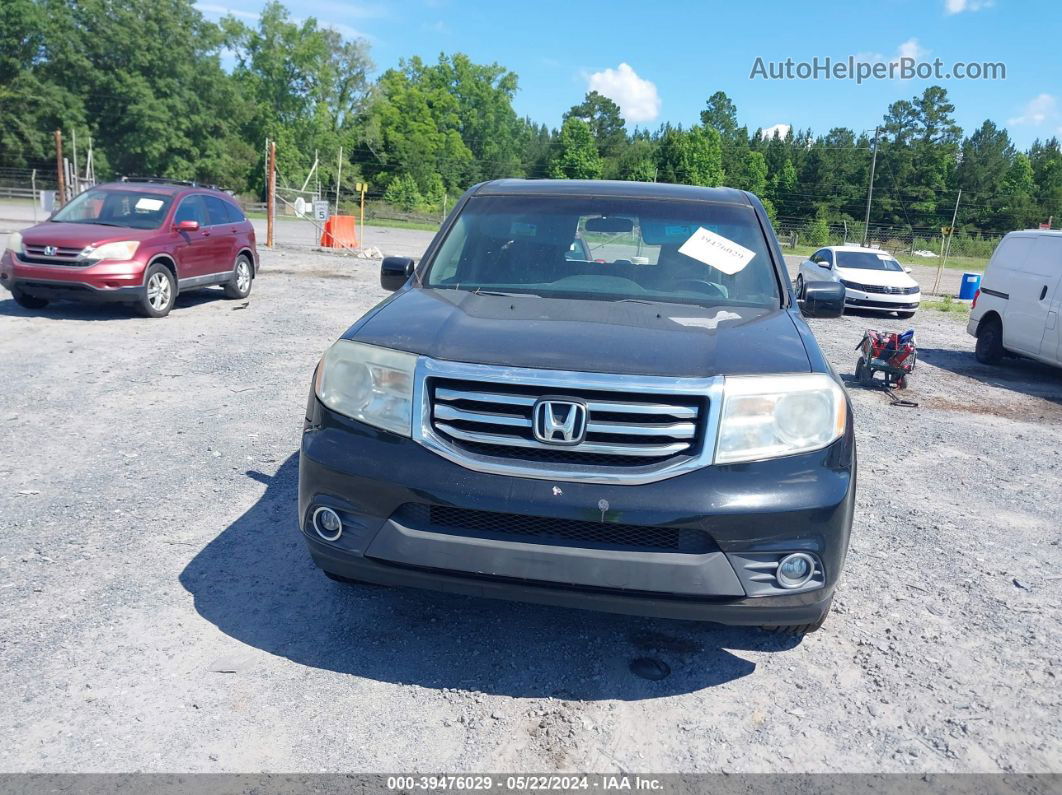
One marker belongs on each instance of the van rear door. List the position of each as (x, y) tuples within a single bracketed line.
[(1023, 279), (1049, 247)]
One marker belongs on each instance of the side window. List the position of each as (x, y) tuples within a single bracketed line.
[(235, 214), (217, 210), (448, 262), (817, 256), (827, 257), (191, 208)]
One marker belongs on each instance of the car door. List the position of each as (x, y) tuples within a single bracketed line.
[(223, 235), (1031, 279), (1050, 248), (193, 249), (819, 266)]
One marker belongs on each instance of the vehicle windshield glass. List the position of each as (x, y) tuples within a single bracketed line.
[(867, 260), (129, 208), (650, 249)]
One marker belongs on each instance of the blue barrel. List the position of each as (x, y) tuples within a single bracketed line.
[(971, 283)]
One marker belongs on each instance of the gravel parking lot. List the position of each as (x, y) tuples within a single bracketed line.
[(159, 611)]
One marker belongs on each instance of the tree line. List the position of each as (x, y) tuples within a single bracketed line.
[(163, 91)]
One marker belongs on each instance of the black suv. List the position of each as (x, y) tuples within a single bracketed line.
[(654, 431)]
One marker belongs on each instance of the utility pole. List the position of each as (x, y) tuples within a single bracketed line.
[(77, 180), (339, 177), (271, 193), (951, 234), (60, 177), (870, 189)]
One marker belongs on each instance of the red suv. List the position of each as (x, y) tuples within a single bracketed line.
[(140, 241)]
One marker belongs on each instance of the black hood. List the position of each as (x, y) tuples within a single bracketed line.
[(626, 338)]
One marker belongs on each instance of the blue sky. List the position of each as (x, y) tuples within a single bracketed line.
[(662, 59)]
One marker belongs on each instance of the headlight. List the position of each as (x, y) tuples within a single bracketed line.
[(772, 416), (122, 250), (14, 243), (369, 384)]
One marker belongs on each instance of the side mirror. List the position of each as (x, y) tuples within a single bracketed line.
[(906, 269), (825, 265), (395, 271), (186, 226), (823, 299)]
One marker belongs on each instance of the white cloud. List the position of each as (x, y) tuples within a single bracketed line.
[(767, 133), (1037, 111), (958, 6), (911, 49), (636, 97)]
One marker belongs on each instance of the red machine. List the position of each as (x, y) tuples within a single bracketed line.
[(894, 355)]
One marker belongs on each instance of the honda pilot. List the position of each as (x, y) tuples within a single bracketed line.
[(649, 428)]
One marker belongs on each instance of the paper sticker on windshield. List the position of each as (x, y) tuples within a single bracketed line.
[(722, 254), (148, 205), (885, 257), (519, 229)]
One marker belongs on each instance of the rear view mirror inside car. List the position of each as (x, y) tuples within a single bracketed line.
[(609, 224)]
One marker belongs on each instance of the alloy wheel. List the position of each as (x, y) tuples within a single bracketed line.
[(158, 291)]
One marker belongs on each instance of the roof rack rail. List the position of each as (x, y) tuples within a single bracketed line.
[(168, 181), (159, 180)]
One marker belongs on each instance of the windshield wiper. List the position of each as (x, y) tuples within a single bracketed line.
[(478, 291)]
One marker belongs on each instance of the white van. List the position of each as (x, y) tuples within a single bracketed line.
[(1017, 309)]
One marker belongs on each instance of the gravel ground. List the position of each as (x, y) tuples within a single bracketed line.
[(159, 611)]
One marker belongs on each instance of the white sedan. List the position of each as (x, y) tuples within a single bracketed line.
[(872, 278)]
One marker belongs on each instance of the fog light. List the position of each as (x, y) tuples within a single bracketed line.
[(327, 524), (795, 570)]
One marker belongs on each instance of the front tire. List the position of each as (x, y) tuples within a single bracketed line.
[(989, 348), (242, 278), (28, 301), (905, 315), (160, 291), (800, 287)]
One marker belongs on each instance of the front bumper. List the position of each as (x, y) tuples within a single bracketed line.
[(105, 281), (751, 512), (857, 299)]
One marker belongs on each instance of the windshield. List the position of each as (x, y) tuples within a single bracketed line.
[(129, 208), (608, 249), (867, 260)]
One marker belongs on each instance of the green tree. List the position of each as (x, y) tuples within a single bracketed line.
[(576, 156), (690, 157), (487, 124), (305, 86), (817, 231), (413, 126), (1046, 161), (606, 123), (32, 103), (720, 114), (753, 176), (403, 193)]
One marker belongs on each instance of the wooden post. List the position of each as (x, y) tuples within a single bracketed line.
[(339, 176), (364, 186), (60, 193), (271, 193)]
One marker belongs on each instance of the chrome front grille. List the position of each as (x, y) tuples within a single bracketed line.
[(638, 429), (874, 288), (39, 255)]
